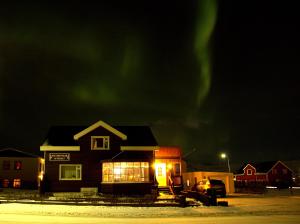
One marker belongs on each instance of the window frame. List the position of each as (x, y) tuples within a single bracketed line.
[(15, 165), (249, 172), (111, 171), (96, 147), (68, 179), (6, 165)]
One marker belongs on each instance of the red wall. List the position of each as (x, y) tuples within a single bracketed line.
[(252, 177)]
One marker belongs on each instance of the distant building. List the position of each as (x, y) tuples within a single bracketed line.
[(20, 169), (100, 157), (273, 173)]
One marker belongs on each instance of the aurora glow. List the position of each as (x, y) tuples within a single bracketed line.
[(205, 74)]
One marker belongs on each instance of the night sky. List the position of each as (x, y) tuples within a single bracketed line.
[(207, 75)]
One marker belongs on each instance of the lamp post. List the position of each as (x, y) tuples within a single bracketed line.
[(224, 156)]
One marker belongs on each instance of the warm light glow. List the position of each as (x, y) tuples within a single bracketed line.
[(223, 155), (154, 165), (117, 171), (170, 166), (41, 176)]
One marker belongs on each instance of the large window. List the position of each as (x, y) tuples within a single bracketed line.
[(125, 172), (70, 172), (100, 142)]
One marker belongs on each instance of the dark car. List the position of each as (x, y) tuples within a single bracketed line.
[(217, 186)]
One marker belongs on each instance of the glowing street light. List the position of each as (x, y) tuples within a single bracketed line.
[(224, 156)]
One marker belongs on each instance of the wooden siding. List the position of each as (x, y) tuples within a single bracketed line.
[(91, 161)]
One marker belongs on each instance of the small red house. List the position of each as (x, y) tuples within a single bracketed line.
[(274, 173)]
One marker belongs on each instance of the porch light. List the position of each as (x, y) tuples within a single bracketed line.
[(170, 166)]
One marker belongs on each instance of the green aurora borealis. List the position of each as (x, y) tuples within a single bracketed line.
[(159, 64)]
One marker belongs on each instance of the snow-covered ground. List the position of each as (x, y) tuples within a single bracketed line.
[(283, 207)]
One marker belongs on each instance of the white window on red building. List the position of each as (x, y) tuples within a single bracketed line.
[(249, 172)]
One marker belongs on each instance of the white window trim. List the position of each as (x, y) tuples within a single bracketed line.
[(59, 148), (60, 166), (249, 173), (100, 148), (100, 124)]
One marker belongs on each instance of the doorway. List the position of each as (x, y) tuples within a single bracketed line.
[(161, 174)]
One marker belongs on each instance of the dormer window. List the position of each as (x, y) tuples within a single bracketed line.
[(99, 142)]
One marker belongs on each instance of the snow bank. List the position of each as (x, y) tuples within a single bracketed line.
[(238, 205)]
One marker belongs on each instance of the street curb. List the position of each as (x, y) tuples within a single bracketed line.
[(94, 203)]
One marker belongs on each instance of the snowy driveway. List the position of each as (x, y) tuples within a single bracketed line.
[(242, 209)]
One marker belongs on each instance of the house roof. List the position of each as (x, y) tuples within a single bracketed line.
[(136, 135), (10, 152), (100, 124), (261, 167)]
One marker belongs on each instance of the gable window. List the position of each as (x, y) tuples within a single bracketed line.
[(100, 142), (6, 165), (284, 171), (18, 165), (70, 172), (249, 172), (125, 172)]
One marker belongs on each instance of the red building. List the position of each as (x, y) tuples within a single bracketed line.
[(274, 173)]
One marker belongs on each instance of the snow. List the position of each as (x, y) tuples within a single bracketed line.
[(238, 205), (280, 207)]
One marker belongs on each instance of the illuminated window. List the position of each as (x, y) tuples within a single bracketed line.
[(18, 165), (70, 172), (17, 183), (100, 142), (6, 165), (116, 172), (249, 172), (5, 183)]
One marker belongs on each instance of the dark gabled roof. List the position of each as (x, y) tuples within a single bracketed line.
[(136, 135), (63, 135), (261, 167), (10, 152)]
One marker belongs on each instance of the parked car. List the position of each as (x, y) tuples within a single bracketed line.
[(217, 186)]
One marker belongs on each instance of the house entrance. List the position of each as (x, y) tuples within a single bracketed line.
[(161, 174)]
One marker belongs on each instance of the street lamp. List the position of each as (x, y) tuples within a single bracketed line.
[(224, 156)]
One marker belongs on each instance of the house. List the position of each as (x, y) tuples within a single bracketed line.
[(169, 167), (274, 173), (101, 157), (20, 169)]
